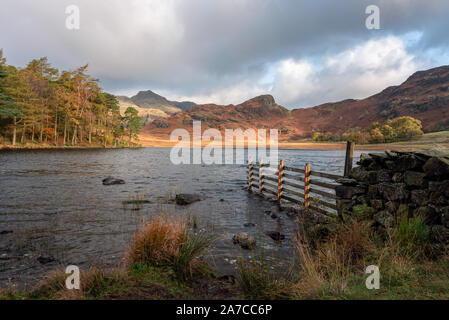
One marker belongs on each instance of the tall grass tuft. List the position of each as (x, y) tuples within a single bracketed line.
[(169, 242), (413, 235), (94, 283), (258, 281), (326, 269)]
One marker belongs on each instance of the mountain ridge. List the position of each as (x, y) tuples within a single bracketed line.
[(150, 103), (424, 95)]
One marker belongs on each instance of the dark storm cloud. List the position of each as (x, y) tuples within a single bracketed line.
[(201, 48)]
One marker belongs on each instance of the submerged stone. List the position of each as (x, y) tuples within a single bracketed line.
[(244, 240), (109, 181), (184, 199)]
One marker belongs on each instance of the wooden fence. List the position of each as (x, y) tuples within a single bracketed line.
[(302, 186)]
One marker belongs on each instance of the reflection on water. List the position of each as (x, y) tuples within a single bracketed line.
[(53, 205)]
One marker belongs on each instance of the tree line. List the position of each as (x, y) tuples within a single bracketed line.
[(398, 129), (40, 104)]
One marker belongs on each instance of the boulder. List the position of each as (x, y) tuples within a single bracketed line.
[(377, 204), (109, 181), (439, 233), (437, 168), (186, 199), (383, 176), (393, 191), (244, 240), (431, 153), (380, 158), (404, 163), (415, 179), (445, 216), (373, 192), (384, 218), (347, 181), (347, 192), (365, 160), (398, 177), (420, 197), (429, 213), (276, 236), (227, 278), (392, 207), (357, 173), (441, 187)]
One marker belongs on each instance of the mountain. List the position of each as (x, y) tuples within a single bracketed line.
[(425, 96), (148, 102)]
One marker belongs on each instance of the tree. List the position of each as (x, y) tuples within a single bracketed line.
[(406, 127), (317, 136), (376, 136), (133, 123), (43, 101), (8, 107)]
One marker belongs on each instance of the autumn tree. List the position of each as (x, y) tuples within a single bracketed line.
[(133, 123), (41, 103)]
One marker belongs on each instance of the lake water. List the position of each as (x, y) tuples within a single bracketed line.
[(53, 205)]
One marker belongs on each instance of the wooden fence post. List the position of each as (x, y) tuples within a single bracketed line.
[(280, 181), (250, 179), (261, 177), (349, 158), (307, 185)]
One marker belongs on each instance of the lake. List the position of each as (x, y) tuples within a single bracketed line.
[(55, 211)]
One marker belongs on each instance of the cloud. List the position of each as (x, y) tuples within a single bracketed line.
[(357, 72), (223, 48)]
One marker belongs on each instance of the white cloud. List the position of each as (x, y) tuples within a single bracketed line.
[(233, 94), (355, 73), (224, 51)]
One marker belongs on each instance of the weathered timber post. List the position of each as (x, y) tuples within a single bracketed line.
[(280, 181), (261, 177), (250, 178), (307, 185), (349, 158)]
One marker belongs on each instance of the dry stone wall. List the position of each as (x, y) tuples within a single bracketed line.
[(386, 185)]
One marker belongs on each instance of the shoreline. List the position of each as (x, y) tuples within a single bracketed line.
[(158, 142), (7, 147), (281, 146)]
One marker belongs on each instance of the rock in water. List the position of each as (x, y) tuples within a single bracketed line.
[(185, 199), (276, 236), (109, 181), (244, 240), (45, 260)]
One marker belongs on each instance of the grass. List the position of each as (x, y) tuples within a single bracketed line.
[(169, 242), (161, 263), (334, 268), (164, 262)]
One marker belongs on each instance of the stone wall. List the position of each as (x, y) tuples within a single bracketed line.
[(387, 185)]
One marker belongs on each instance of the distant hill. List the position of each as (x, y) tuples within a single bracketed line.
[(425, 96), (148, 102)]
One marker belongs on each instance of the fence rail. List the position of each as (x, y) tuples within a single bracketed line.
[(299, 185)]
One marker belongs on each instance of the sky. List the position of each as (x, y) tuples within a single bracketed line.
[(304, 53)]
